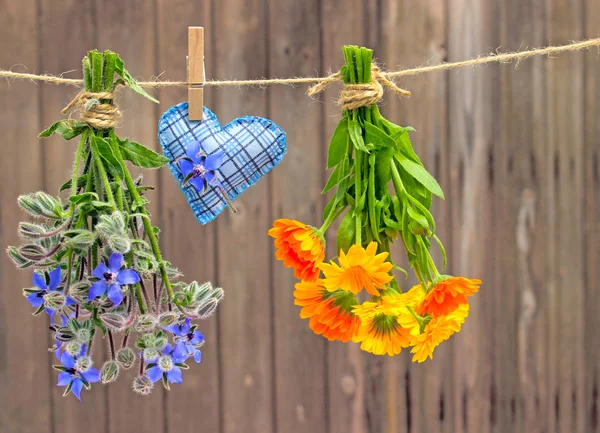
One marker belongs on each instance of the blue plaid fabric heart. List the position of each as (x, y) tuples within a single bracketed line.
[(250, 146)]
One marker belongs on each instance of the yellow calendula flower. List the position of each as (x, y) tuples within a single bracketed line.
[(380, 332), (359, 269), (447, 295), (437, 330)]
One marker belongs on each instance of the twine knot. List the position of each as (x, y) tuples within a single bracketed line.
[(93, 109), (353, 96)]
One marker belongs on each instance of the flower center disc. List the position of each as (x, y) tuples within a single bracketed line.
[(198, 170), (110, 277)]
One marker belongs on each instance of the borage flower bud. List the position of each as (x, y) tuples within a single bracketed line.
[(54, 300), (83, 364), (83, 335), (151, 354), (207, 309), (110, 372), (73, 348), (30, 205), (117, 321), (126, 357), (142, 385), (119, 244), (147, 323), (167, 319)]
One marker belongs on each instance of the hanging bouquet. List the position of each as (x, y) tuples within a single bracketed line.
[(382, 193), (97, 265)]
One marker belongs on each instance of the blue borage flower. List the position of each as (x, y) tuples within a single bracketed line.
[(199, 169), (111, 278), (187, 340), (167, 366), (76, 372), (49, 282)]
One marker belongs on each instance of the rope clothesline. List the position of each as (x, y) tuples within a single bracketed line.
[(506, 57)]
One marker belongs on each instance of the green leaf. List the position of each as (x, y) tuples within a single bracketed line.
[(403, 143), (141, 156), (83, 198), (81, 182), (130, 81), (355, 132), (383, 170), (420, 174), (371, 200), (67, 128), (338, 144), (112, 164), (378, 137), (346, 232), (424, 211), (442, 249)]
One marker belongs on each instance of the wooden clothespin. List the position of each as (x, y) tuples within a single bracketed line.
[(195, 72)]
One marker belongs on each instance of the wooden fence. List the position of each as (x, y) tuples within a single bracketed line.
[(516, 149)]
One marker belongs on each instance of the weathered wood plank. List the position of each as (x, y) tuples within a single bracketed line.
[(244, 250), (565, 147), (591, 223), (195, 405), (67, 33), (422, 391), (128, 411), (472, 112), (300, 387), (24, 359), (520, 231)]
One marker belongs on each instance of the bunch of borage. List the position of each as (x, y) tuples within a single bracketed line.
[(97, 267), (382, 193)]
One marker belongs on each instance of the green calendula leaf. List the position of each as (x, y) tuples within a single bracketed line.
[(355, 132), (346, 232), (372, 200), (378, 137), (141, 156), (383, 170), (111, 162), (338, 144), (67, 128), (129, 80), (420, 174), (442, 249)]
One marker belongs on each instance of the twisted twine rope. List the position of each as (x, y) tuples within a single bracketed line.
[(94, 112), (506, 57), (353, 96)]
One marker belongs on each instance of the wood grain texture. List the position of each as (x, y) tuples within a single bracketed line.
[(25, 385), (187, 244), (294, 49), (240, 31), (472, 105), (515, 149)]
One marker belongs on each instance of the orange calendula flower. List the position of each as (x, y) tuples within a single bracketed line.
[(379, 332), (437, 330), (330, 313), (359, 268), (447, 295), (299, 246)]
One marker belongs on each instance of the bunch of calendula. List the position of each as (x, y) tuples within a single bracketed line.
[(97, 266), (384, 193)]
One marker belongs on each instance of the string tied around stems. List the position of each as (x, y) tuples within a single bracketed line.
[(96, 109), (353, 96)]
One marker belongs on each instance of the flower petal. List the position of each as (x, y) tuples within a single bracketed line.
[(185, 167), (35, 299), (167, 349), (198, 357), (210, 176), (55, 278), (115, 294), (174, 375), (193, 150), (99, 288), (175, 329), (214, 161), (197, 338), (76, 388), (39, 281), (92, 375), (198, 183), (100, 270), (185, 328), (180, 352), (64, 378), (67, 360), (154, 374), (115, 261), (128, 276)]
